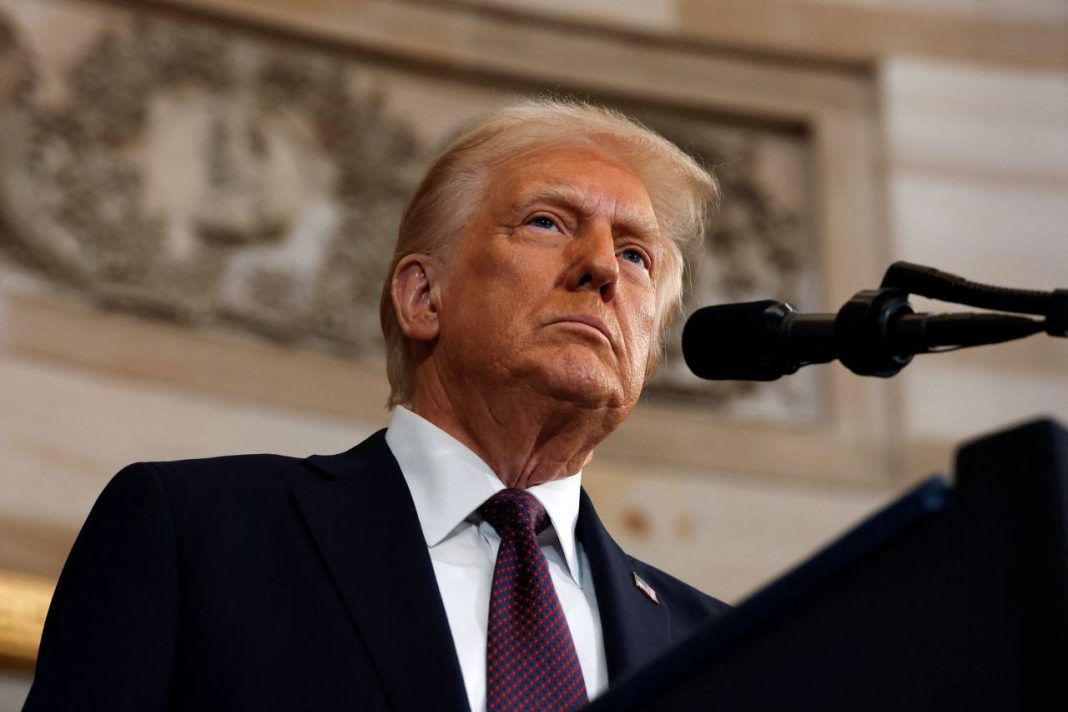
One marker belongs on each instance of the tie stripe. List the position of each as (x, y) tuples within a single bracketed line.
[(531, 663)]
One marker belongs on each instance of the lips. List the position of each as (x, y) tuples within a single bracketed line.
[(587, 320)]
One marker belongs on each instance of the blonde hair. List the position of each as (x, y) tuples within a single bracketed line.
[(683, 196)]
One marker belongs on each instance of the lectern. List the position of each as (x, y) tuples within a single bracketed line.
[(955, 597)]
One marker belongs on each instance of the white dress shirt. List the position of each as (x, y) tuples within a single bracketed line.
[(448, 483)]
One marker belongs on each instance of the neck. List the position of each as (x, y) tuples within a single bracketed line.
[(524, 437)]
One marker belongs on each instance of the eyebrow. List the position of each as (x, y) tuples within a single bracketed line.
[(635, 221)]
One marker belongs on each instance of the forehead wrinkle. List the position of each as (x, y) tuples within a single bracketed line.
[(563, 194), (636, 221)]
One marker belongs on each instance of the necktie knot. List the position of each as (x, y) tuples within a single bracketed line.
[(512, 511)]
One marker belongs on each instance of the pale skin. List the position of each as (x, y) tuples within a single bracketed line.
[(532, 338)]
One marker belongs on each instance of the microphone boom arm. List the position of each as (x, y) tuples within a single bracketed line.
[(935, 284), (875, 333)]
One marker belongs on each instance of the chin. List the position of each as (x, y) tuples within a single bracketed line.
[(586, 399), (583, 388), (578, 376)]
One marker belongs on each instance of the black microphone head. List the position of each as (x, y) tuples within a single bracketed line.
[(736, 342)]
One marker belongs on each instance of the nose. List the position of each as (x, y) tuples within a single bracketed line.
[(593, 264)]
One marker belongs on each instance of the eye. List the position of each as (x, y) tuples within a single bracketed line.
[(632, 254), (543, 222)]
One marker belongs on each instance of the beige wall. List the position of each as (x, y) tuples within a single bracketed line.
[(978, 173), (966, 126)]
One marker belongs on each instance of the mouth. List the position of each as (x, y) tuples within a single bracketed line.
[(588, 322)]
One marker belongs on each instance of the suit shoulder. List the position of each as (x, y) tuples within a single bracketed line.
[(261, 465), (218, 487), (218, 475), (237, 483)]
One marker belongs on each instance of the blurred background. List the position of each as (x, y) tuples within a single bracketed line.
[(198, 200)]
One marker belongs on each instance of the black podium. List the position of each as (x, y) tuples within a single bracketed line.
[(955, 597)]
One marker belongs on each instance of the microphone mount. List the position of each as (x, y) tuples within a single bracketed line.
[(876, 332)]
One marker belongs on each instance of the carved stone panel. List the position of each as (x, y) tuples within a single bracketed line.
[(211, 175)]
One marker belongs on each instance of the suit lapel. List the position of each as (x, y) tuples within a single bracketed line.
[(363, 521), (634, 628)]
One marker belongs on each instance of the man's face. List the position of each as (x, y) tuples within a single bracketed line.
[(553, 286)]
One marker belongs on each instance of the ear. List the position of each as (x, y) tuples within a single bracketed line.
[(415, 297)]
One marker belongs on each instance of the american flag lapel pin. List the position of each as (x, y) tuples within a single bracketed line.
[(645, 588)]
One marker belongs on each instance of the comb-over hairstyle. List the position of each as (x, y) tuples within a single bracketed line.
[(683, 195)]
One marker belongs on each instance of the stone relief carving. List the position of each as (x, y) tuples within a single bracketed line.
[(197, 178), (197, 174)]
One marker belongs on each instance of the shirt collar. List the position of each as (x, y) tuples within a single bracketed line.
[(448, 482)]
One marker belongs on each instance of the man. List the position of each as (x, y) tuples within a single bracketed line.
[(452, 561)]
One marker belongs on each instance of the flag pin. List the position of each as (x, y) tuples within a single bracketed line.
[(645, 588)]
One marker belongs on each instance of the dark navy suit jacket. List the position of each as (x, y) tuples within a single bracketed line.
[(263, 582)]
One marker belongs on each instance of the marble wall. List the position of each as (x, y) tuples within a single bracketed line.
[(951, 153), (978, 174)]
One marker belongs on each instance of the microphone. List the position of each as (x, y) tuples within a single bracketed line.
[(874, 334), (755, 341)]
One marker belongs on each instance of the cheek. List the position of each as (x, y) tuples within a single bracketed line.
[(494, 294), (643, 331), (516, 281)]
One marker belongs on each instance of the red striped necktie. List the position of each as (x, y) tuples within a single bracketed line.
[(531, 663)]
